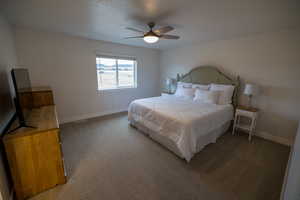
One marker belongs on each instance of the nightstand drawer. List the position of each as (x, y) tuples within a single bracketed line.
[(245, 113)]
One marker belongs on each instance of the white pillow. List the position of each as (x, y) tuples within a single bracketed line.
[(185, 92), (207, 96), (226, 92), (200, 86), (185, 85)]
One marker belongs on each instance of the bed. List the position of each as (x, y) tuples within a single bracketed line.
[(182, 125)]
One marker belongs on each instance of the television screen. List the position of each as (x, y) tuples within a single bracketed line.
[(23, 91), (6, 104), (21, 80)]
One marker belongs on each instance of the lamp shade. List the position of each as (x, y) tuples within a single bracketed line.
[(251, 90), (169, 81)]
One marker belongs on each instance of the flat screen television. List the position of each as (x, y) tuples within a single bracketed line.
[(23, 99), (7, 110)]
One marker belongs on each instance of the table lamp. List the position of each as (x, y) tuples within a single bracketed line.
[(250, 91), (169, 83)]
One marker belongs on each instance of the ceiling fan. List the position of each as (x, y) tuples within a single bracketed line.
[(153, 36)]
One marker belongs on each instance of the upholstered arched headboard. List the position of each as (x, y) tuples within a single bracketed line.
[(209, 74)]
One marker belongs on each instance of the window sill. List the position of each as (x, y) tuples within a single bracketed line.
[(116, 89)]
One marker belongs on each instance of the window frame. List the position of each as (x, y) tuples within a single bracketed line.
[(117, 72)]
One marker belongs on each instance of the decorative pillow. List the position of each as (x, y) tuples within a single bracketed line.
[(201, 86), (185, 85), (185, 92), (207, 96), (226, 92)]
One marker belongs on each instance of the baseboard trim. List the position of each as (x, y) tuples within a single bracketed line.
[(274, 138), (91, 115), (261, 134)]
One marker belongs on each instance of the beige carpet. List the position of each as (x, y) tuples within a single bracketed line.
[(107, 159)]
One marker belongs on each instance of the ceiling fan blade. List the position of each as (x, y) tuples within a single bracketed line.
[(133, 37), (163, 30), (172, 37), (134, 29)]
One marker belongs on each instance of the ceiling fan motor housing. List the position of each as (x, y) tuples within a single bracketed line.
[(151, 33), (151, 25)]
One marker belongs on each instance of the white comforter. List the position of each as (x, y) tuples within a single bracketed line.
[(180, 120)]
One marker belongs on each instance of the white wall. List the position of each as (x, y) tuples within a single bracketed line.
[(68, 65), (7, 60), (270, 60), (292, 183)]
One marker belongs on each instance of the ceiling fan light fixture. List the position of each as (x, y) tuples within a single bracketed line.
[(151, 38), (154, 35)]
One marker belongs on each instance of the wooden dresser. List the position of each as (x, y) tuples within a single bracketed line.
[(34, 154)]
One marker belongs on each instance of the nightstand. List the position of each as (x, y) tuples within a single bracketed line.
[(250, 113)]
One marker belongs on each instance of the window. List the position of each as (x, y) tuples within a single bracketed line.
[(115, 73)]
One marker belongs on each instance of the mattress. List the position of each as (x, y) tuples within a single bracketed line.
[(180, 124)]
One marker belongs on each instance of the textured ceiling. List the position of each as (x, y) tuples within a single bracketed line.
[(195, 21)]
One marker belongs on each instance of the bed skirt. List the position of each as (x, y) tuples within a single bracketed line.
[(204, 140)]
